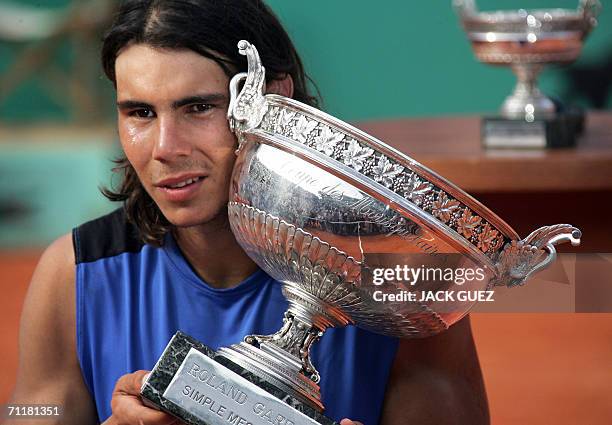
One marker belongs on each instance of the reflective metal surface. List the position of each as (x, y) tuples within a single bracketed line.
[(526, 41), (312, 196)]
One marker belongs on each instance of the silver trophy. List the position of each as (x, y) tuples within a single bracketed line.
[(527, 41), (316, 203)]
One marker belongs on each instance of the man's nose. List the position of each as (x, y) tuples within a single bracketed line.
[(171, 142)]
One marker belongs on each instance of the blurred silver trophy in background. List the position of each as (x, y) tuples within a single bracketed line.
[(319, 205), (527, 41)]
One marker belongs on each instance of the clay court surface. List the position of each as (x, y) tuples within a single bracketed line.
[(538, 368)]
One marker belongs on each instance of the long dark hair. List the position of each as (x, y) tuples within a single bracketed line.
[(211, 28)]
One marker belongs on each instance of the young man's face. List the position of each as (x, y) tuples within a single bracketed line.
[(172, 108)]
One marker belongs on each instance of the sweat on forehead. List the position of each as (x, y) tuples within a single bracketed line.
[(144, 71)]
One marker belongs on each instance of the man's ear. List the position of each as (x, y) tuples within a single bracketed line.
[(283, 86)]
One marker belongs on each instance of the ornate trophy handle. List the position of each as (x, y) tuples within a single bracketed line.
[(521, 259), (247, 107), (590, 10), (234, 87)]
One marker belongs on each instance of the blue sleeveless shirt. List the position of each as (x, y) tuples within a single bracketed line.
[(132, 297)]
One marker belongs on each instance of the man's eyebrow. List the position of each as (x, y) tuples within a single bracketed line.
[(199, 98), (189, 100), (133, 104)]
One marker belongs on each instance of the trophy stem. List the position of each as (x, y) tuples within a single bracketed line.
[(284, 357), (291, 344), (527, 101)]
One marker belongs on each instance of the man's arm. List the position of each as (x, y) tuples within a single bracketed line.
[(437, 380), (49, 371)]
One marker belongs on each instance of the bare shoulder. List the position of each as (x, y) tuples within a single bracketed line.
[(49, 371), (48, 315), (54, 278)]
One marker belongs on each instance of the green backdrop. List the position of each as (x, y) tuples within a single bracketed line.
[(374, 59), (411, 58), (370, 60)]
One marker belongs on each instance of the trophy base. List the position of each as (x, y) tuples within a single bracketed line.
[(201, 387), (561, 131)]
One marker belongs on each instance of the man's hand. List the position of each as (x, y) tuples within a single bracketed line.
[(127, 405), (128, 408)]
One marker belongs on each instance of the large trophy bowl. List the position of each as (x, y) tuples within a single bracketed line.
[(321, 206), (526, 41), (316, 203)]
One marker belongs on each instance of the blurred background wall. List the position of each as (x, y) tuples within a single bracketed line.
[(408, 58), (56, 118), (393, 59), (370, 60)]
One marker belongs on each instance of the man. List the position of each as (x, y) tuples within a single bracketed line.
[(168, 260)]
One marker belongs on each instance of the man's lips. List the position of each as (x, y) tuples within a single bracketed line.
[(179, 181), (181, 188)]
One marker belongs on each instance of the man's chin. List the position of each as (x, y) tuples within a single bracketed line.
[(186, 222), (189, 219)]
